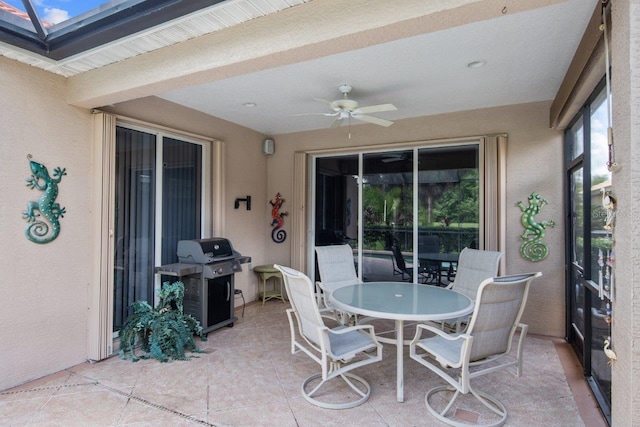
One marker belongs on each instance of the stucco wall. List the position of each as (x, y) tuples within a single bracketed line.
[(43, 308), (45, 287), (626, 188), (530, 141)]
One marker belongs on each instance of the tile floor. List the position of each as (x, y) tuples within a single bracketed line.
[(247, 377)]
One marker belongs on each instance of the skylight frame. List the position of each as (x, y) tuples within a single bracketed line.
[(111, 21)]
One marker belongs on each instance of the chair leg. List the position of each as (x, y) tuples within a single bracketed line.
[(523, 334), (488, 401), (356, 383)]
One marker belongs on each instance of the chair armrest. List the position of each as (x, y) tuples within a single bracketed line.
[(347, 329), (367, 329), (437, 331), (447, 362)]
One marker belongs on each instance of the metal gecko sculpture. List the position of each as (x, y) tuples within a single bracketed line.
[(278, 234), (533, 249), (39, 231)]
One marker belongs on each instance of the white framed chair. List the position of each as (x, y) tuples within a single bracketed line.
[(336, 268), (500, 302), (338, 350), (474, 266)]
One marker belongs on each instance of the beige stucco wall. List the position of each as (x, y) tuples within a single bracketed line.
[(45, 287), (530, 140), (626, 188), (43, 309)]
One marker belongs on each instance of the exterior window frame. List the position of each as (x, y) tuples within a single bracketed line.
[(584, 161)]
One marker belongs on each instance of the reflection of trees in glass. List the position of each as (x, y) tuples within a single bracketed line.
[(599, 179), (376, 211), (439, 202), (577, 218), (427, 195), (459, 202), (598, 212), (385, 205)]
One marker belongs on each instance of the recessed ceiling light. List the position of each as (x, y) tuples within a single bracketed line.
[(477, 64), (249, 104)]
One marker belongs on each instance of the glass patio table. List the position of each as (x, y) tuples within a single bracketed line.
[(439, 258), (401, 301)]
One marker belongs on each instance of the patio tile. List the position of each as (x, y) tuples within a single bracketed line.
[(19, 412), (248, 377), (96, 408), (275, 413)]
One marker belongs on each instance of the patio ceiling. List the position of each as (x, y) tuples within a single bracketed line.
[(280, 54)]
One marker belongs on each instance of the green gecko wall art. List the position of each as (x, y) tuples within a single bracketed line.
[(39, 231), (533, 249)]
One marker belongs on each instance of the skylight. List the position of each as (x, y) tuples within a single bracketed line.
[(76, 26), (57, 11)]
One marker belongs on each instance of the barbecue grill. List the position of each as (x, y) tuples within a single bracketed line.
[(207, 268)]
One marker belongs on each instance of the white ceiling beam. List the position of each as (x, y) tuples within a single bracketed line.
[(312, 30)]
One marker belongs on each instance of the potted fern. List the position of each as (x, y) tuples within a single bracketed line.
[(164, 332)]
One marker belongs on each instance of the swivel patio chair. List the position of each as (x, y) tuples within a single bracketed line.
[(500, 302), (474, 266), (336, 268), (338, 350)]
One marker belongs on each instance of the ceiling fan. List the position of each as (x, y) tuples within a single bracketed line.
[(346, 108)]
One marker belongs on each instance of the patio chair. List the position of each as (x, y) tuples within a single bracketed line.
[(338, 350), (336, 268), (500, 302), (400, 266), (430, 244), (474, 266)]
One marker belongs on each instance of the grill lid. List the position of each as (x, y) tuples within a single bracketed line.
[(205, 251)]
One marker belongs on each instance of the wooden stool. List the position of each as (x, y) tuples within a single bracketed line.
[(266, 272)]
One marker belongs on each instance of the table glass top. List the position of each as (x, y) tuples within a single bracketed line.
[(398, 300)]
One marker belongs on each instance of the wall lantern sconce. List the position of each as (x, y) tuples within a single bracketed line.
[(247, 200)]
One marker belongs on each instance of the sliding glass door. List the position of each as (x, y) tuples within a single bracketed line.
[(393, 207), (158, 201)]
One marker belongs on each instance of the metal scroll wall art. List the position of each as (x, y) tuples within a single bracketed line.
[(278, 235), (39, 231), (533, 249)]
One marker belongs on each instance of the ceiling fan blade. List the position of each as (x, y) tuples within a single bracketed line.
[(317, 114), (374, 120), (336, 123), (376, 108), (391, 159), (328, 103)]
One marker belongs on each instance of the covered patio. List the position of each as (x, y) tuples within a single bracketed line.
[(237, 82), (247, 376)]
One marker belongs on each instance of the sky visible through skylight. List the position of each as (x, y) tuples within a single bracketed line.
[(56, 11)]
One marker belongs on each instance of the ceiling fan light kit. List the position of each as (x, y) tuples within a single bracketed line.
[(346, 108)]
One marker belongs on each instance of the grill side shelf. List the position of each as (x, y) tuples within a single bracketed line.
[(179, 269)]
